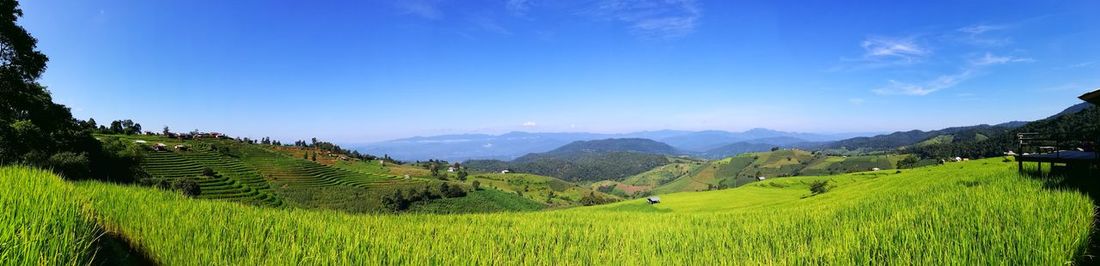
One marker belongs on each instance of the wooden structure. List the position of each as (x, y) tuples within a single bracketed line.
[(1038, 149)]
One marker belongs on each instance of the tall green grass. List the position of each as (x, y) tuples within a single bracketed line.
[(978, 212), (43, 220)]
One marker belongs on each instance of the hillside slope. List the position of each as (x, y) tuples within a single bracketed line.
[(744, 169), (968, 213), (586, 160)]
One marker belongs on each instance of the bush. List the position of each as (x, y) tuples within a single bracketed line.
[(820, 186), (71, 164), (188, 187), (206, 171)]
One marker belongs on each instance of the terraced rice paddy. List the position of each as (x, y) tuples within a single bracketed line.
[(977, 212)]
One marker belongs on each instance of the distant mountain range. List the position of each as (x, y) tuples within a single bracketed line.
[(515, 144)]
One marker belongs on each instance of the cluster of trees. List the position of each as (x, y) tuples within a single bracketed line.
[(38, 132), (593, 199), (329, 146), (268, 141), (436, 168), (126, 126), (401, 200)]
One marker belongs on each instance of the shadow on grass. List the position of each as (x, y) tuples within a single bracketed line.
[(1085, 180), (114, 249)]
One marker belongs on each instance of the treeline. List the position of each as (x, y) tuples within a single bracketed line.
[(36, 131), (401, 200)]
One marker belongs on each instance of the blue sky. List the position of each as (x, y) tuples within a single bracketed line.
[(360, 71)]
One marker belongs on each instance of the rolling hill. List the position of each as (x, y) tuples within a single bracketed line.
[(586, 160), (697, 175), (282, 177)]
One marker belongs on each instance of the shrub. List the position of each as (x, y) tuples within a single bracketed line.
[(206, 171), (188, 187), (820, 186)]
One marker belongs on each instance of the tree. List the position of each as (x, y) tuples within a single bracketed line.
[(462, 175), (314, 157), (305, 155), (165, 131), (476, 185), (116, 127)]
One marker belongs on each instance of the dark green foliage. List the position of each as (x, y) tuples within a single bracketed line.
[(401, 200), (188, 187), (208, 172), (593, 199), (33, 129), (462, 175), (820, 186), (908, 162), (476, 185), (451, 191)]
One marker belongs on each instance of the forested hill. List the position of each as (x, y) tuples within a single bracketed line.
[(1080, 127), (1067, 122), (907, 138), (587, 160), (638, 145)]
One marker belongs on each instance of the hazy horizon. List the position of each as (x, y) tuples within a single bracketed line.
[(372, 71)]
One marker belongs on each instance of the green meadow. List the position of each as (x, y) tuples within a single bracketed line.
[(977, 212)]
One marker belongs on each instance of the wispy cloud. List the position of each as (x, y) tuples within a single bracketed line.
[(1082, 64), (978, 34), (883, 51), (990, 59), (529, 124), (428, 9), (890, 48), (489, 24), (856, 101), (656, 19), (518, 7), (924, 87), (981, 28)]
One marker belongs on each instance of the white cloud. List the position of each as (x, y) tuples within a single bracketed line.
[(659, 19), (888, 48), (990, 59), (529, 124), (1082, 64), (856, 101), (925, 87), (422, 8), (981, 28), (978, 35), (518, 7)]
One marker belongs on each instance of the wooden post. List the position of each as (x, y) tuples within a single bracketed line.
[(1019, 165)]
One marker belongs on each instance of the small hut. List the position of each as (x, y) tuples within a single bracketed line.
[(160, 147), (653, 199)]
